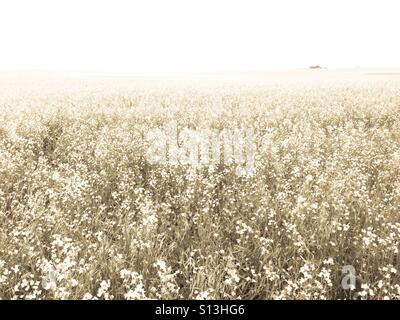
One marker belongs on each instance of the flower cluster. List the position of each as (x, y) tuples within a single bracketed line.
[(86, 214)]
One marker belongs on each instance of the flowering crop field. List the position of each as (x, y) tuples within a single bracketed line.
[(86, 214)]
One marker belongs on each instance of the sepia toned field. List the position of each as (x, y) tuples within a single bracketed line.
[(84, 214)]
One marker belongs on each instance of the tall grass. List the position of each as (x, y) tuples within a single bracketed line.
[(83, 214)]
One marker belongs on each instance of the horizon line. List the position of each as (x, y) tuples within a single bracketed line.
[(261, 70)]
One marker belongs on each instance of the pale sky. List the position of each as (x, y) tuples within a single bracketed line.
[(201, 35)]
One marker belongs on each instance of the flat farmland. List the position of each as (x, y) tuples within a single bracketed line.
[(267, 185)]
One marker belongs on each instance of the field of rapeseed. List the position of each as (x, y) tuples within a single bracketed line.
[(85, 214)]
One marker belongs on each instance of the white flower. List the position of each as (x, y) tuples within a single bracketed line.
[(49, 281), (124, 273), (136, 294), (73, 283), (160, 264), (87, 296), (329, 261), (204, 295)]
